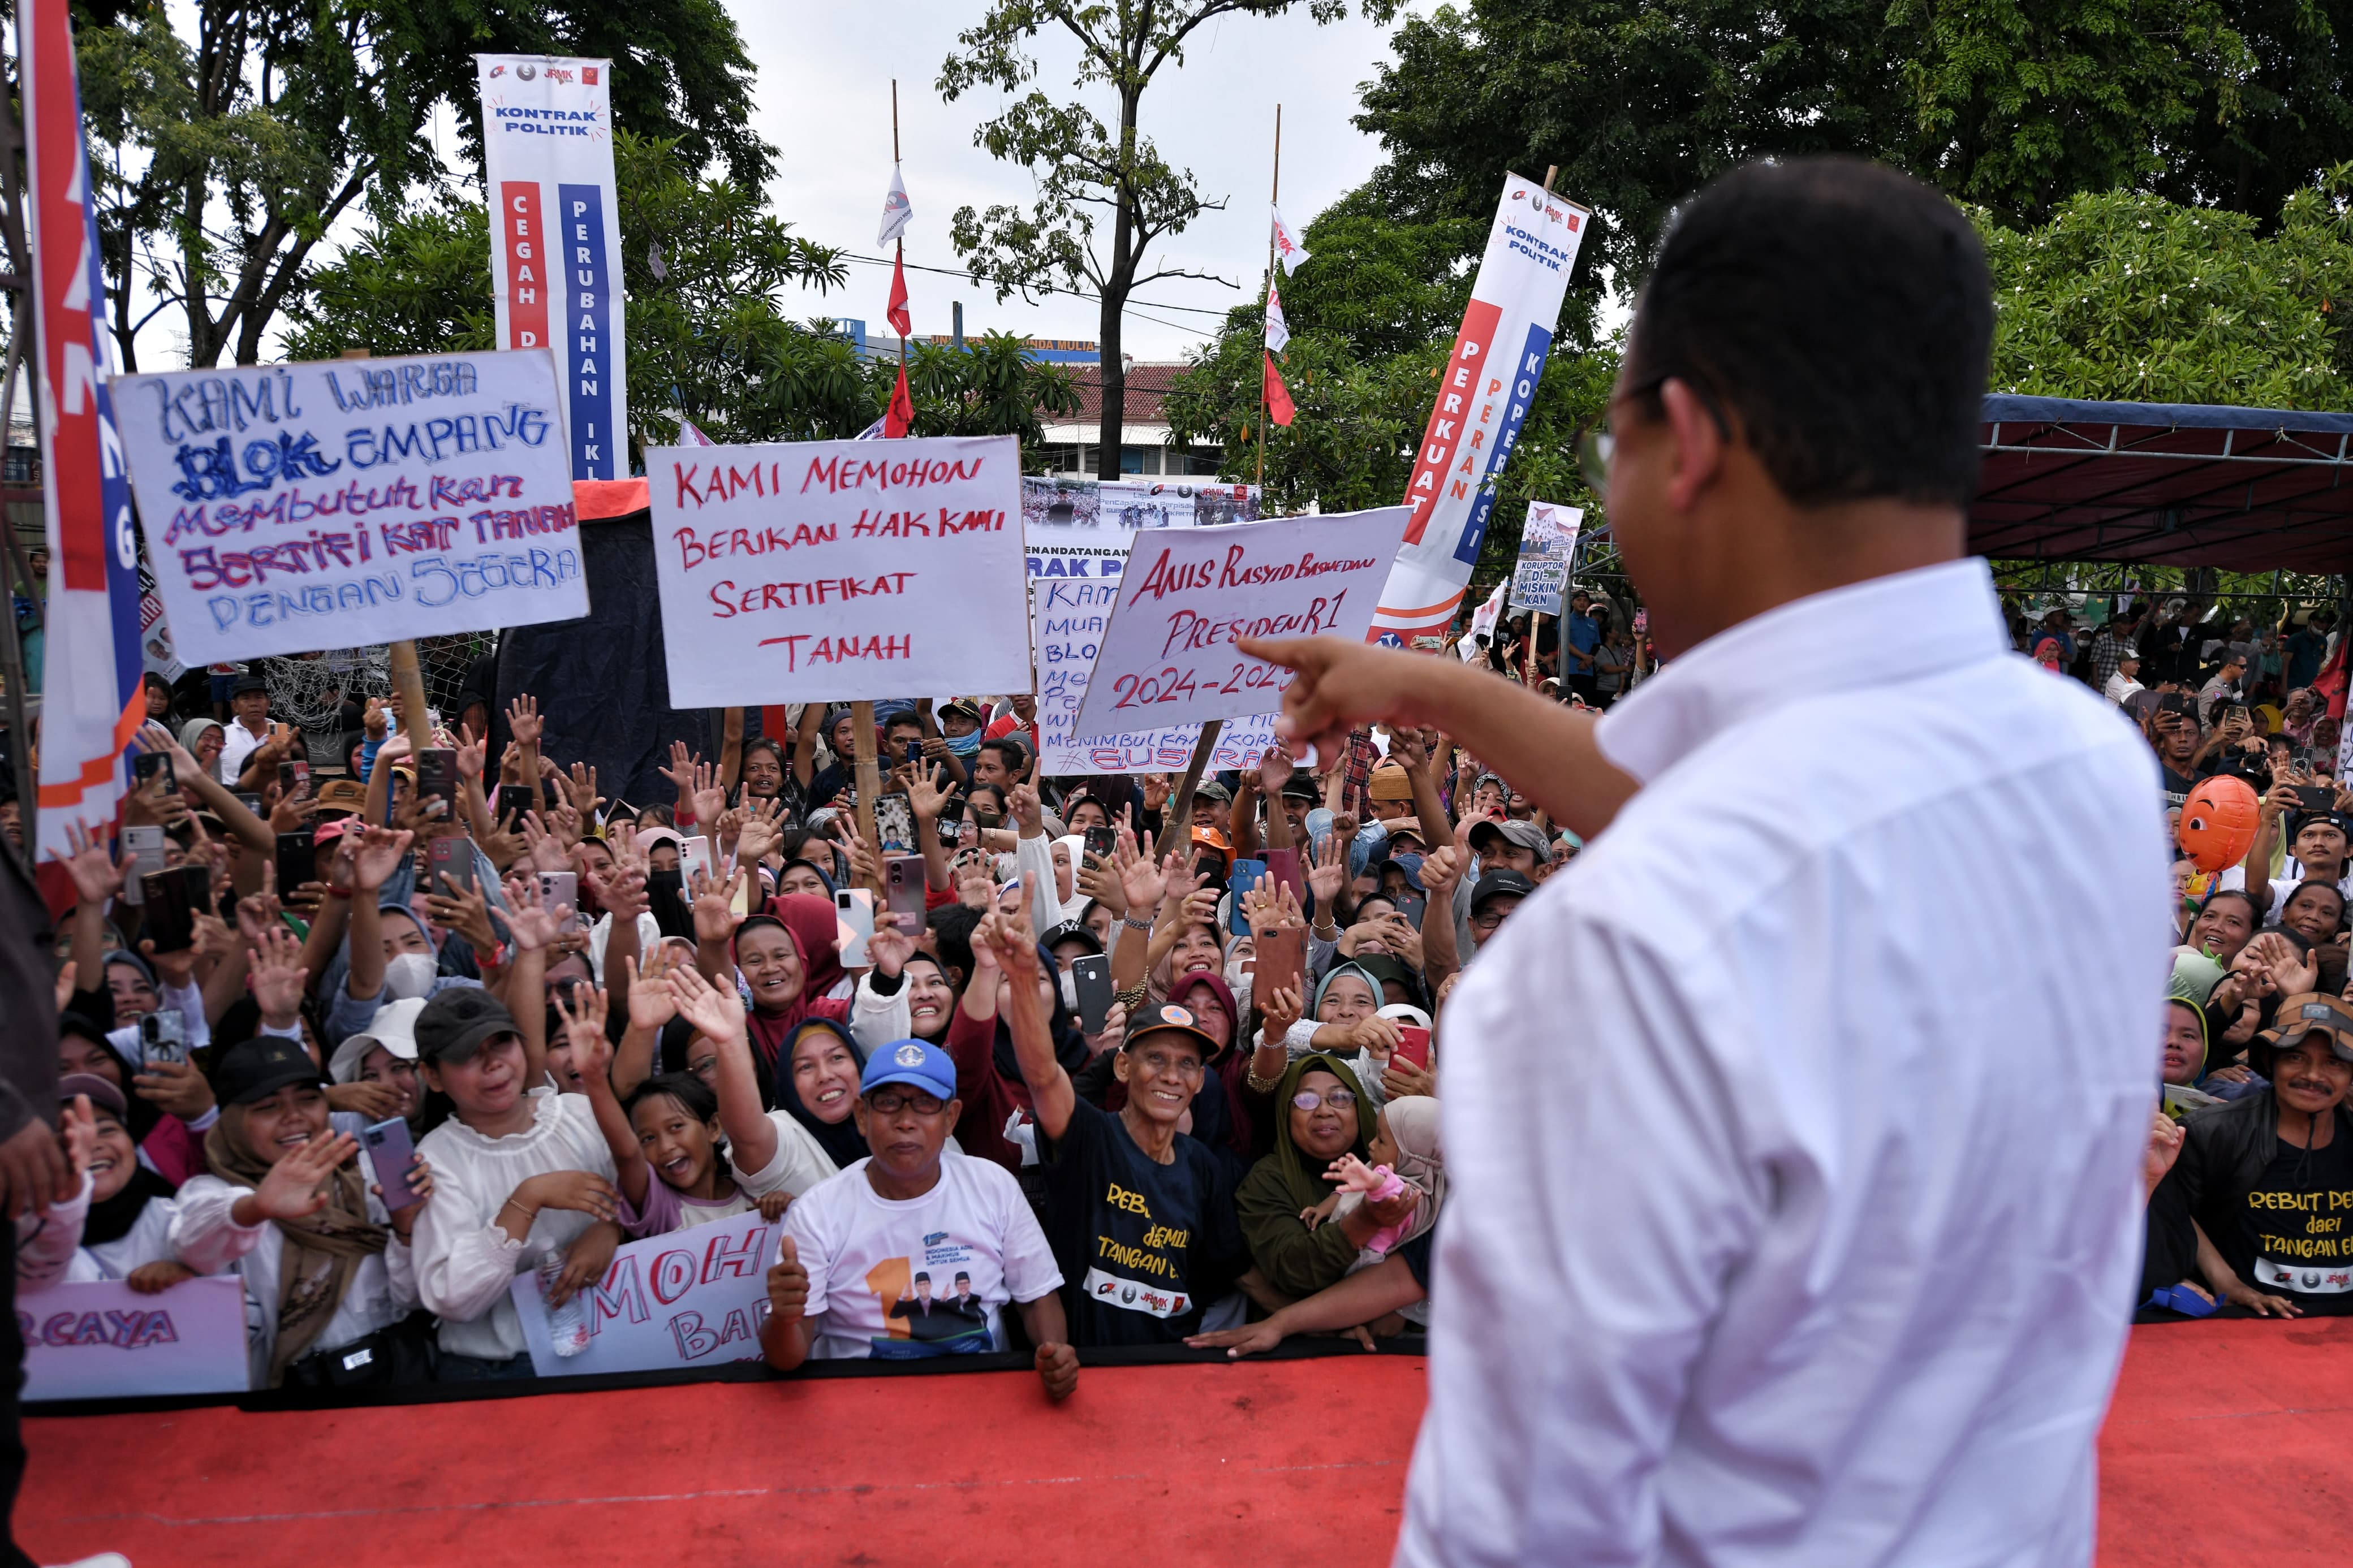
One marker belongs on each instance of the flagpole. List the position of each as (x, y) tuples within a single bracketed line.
[(865, 762), (1273, 196)]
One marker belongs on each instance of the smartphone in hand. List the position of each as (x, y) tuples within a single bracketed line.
[(1413, 1046), (146, 766), (173, 900), (559, 888), (853, 911), (298, 859), (452, 856), (1281, 963), (436, 779), (904, 879), (162, 1037), (392, 1155), (1091, 975)]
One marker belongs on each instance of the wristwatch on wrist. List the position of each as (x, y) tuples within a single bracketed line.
[(1132, 923)]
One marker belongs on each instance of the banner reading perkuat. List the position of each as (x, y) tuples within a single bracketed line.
[(692, 1297), (343, 502), (1482, 399), (106, 1341), (839, 571), (1077, 533), (555, 238), (1167, 655)]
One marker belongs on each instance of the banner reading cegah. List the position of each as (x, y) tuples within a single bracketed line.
[(839, 571), (1167, 655), (344, 502), (555, 237)]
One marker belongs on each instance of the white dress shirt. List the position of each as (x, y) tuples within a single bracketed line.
[(1793, 1129), (237, 745)]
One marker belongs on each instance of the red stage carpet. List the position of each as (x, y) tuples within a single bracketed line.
[(2230, 1443)]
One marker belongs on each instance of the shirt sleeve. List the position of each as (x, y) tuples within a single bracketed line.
[(800, 1164), (46, 1241), (876, 1021), (815, 1254), (463, 1266), (204, 1236), (659, 1214), (1037, 855)]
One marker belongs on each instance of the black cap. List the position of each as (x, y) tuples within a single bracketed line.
[(1500, 884), (261, 1066), (456, 1022), (1072, 930), (245, 683), (1166, 1017), (1299, 786)]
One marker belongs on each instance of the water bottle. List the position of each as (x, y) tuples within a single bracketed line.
[(567, 1325)]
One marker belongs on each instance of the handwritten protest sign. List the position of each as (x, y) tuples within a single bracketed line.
[(1546, 541), (105, 1341), (1077, 533), (1168, 653), (693, 1298), (834, 570), (300, 506)]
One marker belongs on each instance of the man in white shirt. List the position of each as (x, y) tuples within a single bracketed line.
[(248, 726), (1772, 1239), (2126, 679)]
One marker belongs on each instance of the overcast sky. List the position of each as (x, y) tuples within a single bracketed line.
[(824, 101)]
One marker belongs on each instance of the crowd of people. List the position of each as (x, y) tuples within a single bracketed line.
[(2250, 1165), (1126, 1078)]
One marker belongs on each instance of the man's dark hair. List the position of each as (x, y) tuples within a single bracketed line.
[(952, 929), (1011, 755), (1840, 314), (903, 722)]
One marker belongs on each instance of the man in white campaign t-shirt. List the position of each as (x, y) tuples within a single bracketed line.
[(915, 1250)]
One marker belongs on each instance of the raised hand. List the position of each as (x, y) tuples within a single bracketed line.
[(295, 1187), (761, 829), (381, 852), (96, 875), (787, 1282), (375, 719), (888, 947), (715, 906), (258, 913), (1143, 880), (473, 755), (582, 789), (584, 1026), (1157, 788), (1278, 1010), (278, 976), (864, 866), (1274, 770), (1028, 810), (544, 848), (1440, 870), (532, 925), (623, 893), (716, 1013), (463, 909), (924, 792), (1329, 873), (524, 721), (652, 1004)]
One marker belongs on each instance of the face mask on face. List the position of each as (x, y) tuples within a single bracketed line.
[(1237, 978), (964, 746), (408, 976), (1070, 983)]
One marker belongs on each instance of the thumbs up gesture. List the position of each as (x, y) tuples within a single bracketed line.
[(787, 1283)]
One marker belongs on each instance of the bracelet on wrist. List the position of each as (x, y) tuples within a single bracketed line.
[(1132, 923), (335, 892)]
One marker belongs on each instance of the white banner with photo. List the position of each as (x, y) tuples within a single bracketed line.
[(1077, 533), (1166, 653), (106, 1341), (555, 238), (1547, 543), (294, 507), (693, 1298), (839, 571)]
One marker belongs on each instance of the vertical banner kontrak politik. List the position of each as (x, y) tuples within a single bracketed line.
[(1482, 399), (555, 238)]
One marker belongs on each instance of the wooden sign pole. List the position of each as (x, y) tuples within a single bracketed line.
[(1178, 818), (869, 784), (407, 675)]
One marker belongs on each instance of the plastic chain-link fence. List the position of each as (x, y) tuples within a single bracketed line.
[(322, 693)]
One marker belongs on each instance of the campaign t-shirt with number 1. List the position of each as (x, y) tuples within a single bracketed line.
[(899, 1278), (2295, 1233), (1139, 1243)]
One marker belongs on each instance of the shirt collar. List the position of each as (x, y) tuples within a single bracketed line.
[(1878, 632)]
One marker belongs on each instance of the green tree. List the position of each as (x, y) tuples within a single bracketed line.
[(2133, 297), (1081, 164), (229, 138)]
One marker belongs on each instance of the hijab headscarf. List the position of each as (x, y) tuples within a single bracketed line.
[(1070, 1045), (820, 872), (321, 1251), (1307, 1186), (111, 1219), (1315, 1008), (193, 732), (817, 929), (840, 1140), (769, 1031), (1413, 1128)]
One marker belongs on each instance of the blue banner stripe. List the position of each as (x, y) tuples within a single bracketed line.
[(1527, 371), (585, 302)]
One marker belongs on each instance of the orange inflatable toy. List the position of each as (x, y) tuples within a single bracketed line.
[(2218, 823)]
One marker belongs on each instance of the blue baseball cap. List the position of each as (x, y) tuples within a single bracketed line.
[(915, 1063)]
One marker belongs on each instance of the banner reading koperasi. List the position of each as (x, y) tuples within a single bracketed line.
[(555, 238), (1482, 399)]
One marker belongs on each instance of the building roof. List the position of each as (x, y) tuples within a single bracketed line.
[(1145, 417)]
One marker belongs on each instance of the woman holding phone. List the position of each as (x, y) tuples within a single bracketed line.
[(329, 1280), (1284, 1204)]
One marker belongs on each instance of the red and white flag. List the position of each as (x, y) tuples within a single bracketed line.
[(896, 210), (689, 435), (901, 412), (1287, 248), (1278, 330)]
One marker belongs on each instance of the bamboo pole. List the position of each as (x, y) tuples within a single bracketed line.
[(1274, 196)]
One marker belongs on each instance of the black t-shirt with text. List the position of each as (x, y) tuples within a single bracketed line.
[(2294, 1234), (1140, 1244)]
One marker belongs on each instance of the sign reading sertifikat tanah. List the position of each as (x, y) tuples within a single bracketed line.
[(1167, 655), (334, 504), (838, 571)]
